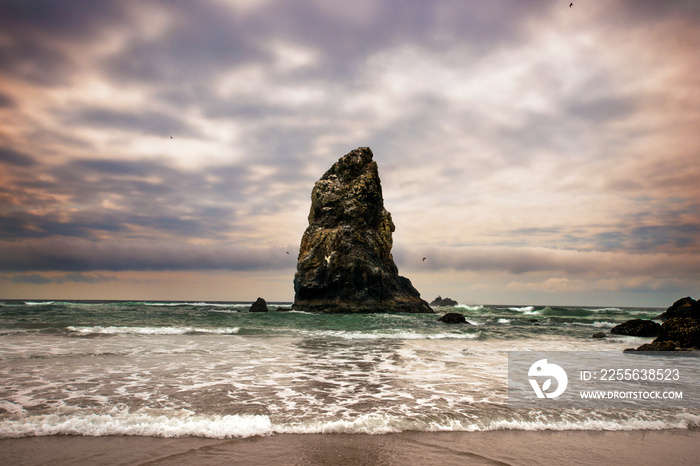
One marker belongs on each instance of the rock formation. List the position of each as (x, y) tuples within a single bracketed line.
[(440, 301), (453, 318), (684, 307), (345, 262), (680, 330), (637, 328), (259, 306)]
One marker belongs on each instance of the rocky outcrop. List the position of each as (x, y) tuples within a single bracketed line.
[(453, 318), (345, 262), (598, 335), (657, 346), (440, 301), (259, 306), (683, 330), (684, 307), (680, 331), (637, 328)]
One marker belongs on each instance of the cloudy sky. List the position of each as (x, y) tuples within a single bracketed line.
[(533, 152)]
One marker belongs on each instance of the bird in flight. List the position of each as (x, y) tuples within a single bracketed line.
[(570, 5), (424, 259)]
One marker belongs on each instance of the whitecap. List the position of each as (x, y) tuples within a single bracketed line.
[(602, 324), (524, 310), (477, 307), (113, 330)]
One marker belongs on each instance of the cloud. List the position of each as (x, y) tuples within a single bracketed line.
[(77, 255), (513, 138), (38, 279), (137, 121), (573, 263), (6, 101), (556, 285), (12, 157)]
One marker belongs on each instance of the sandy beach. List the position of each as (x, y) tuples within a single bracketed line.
[(677, 447)]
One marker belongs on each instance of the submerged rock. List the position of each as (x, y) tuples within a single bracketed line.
[(440, 301), (259, 306), (637, 328), (598, 335), (345, 262), (453, 318)]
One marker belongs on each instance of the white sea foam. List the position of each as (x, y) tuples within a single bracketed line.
[(112, 330), (395, 336), (678, 422), (601, 324), (477, 307), (201, 304), (525, 309), (503, 321), (141, 424), (186, 424), (607, 309)]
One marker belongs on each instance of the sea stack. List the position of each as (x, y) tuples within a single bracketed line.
[(345, 263)]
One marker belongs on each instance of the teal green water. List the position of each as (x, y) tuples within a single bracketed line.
[(213, 369), (489, 321)]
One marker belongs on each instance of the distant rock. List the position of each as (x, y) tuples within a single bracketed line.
[(684, 307), (259, 306), (598, 335), (283, 309), (637, 328), (440, 301), (453, 318), (345, 262)]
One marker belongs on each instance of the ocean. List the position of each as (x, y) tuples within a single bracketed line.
[(212, 369)]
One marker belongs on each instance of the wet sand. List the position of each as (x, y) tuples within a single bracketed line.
[(677, 447)]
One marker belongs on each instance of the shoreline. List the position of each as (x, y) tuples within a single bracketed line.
[(675, 446)]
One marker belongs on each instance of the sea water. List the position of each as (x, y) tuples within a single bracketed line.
[(212, 369)]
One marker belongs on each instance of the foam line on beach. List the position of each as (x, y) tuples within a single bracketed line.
[(249, 425)]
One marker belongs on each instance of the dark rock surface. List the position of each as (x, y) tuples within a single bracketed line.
[(598, 335), (684, 307), (258, 306), (345, 262), (657, 346), (440, 301), (680, 331), (637, 328), (683, 330), (453, 318)]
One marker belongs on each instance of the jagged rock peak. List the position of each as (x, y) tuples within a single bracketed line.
[(345, 262), (260, 305)]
